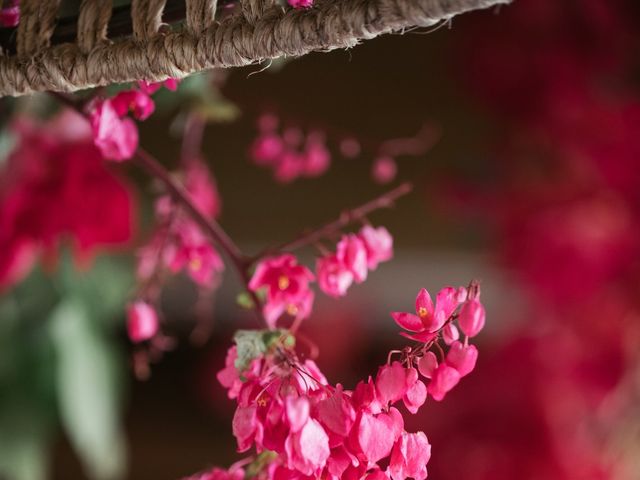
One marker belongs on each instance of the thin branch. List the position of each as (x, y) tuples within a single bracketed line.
[(310, 237), (215, 231), (147, 162)]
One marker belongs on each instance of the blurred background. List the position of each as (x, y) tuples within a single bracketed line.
[(527, 121)]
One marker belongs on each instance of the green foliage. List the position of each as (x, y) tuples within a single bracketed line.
[(87, 386), (60, 365), (253, 343)]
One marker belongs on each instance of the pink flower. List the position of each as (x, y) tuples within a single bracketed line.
[(410, 456), (428, 319), (416, 393), (289, 167), (308, 448), (117, 138), (379, 245), (462, 357), (352, 253), (427, 364), (267, 149), (334, 278), (152, 87), (10, 14), (58, 160), (316, 159), (444, 378), (472, 317), (300, 4), (135, 101), (391, 383), (450, 333), (142, 321), (287, 286), (201, 261), (202, 189), (376, 434), (384, 170)]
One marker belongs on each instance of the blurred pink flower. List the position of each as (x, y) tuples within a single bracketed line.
[(287, 287), (142, 321)]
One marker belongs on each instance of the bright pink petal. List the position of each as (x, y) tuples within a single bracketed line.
[(427, 364), (408, 321), (297, 409), (472, 318), (443, 380), (462, 358), (423, 337), (391, 383), (424, 304)]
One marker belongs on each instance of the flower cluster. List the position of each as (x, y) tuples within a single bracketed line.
[(286, 283), (179, 244), (114, 133), (290, 153), (355, 255), (309, 428), (54, 185)]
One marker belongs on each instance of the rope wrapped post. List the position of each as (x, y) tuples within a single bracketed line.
[(37, 21), (92, 23), (263, 31), (200, 15), (146, 16)]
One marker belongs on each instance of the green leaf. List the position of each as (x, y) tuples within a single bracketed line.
[(23, 444), (88, 390), (243, 299), (253, 343)]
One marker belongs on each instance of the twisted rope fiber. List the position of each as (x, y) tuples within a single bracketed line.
[(235, 41)]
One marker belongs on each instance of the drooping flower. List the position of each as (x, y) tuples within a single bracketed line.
[(384, 170), (351, 252), (410, 456), (462, 357), (443, 379), (115, 136), (287, 287), (142, 321), (139, 103), (334, 278), (472, 317), (378, 243)]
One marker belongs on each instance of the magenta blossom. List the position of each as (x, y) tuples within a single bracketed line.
[(410, 456), (351, 252), (472, 317), (379, 245), (116, 137), (142, 321), (334, 278), (287, 287), (429, 319), (139, 103)]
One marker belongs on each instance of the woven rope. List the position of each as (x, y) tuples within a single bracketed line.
[(263, 31)]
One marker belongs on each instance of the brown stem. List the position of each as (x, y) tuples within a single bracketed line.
[(349, 216), (147, 162), (215, 231)]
